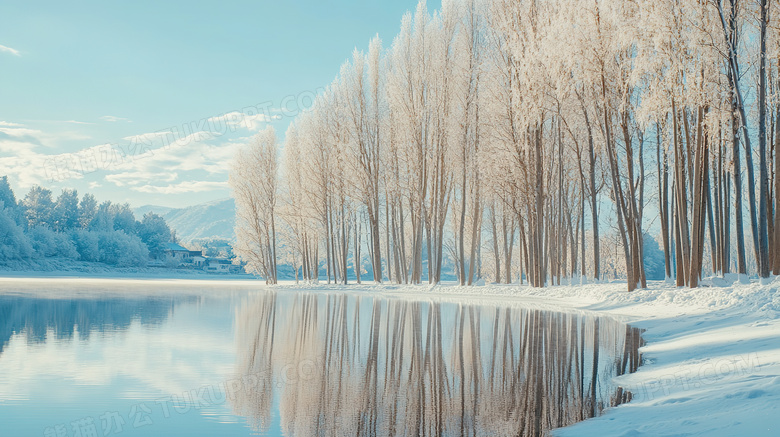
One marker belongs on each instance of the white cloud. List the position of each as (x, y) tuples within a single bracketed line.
[(186, 154), (156, 163), (9, 50), (19, 130), (184, 187), (138, 177), (21, 162), (252, 122), (147, 137), (113, 119), (186, 161), (166, 138), (16, 138), (28, 169), (201, 130)]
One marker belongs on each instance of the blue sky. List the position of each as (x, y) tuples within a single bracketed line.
[(81, 80)]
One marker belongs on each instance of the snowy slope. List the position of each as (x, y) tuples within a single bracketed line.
[(212, 219)]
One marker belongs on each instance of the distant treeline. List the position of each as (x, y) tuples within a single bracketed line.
[(40, 226)]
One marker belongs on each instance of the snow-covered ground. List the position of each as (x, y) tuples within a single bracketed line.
[(711, 362), (67, 268)]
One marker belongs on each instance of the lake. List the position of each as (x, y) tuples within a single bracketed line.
[(134, 358)]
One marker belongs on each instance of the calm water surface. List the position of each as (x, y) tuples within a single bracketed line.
[(163, 360)]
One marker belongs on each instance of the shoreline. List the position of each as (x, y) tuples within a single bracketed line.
[(710, 363), (162, 276), (68, 268)]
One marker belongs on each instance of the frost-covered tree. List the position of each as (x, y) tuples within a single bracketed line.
[(48, 243), (254, 182), (87, 210), (536, 132), (14, 244), (154, 232), (363, 102), (6, 193), (38, 206), (65, 215), (123, 218), (10, 203), (120, 249), (103, 219), (67, 228)]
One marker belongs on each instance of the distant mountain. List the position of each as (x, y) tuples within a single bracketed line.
[(212, 219), (160, 210)]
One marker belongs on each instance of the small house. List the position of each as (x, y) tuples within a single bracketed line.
[(197, 259), (178, 252), (182, 254), (217, 265)]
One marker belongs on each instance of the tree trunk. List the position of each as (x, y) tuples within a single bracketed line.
[(776, 246), (663, 202), (763, 187)]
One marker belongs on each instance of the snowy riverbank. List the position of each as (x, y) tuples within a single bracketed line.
[(711, 363), (67, 268)]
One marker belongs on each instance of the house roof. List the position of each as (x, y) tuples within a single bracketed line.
[(176, 248)]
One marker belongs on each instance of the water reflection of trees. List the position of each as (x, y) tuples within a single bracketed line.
[(350, 365), (35, 317)]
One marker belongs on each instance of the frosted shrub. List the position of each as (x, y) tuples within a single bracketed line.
[(171, 262), (13, 243), (122, 250), (86, 243), (48, 243)]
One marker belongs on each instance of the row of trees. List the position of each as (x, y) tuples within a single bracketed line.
[(39, 226), (532, 132)]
